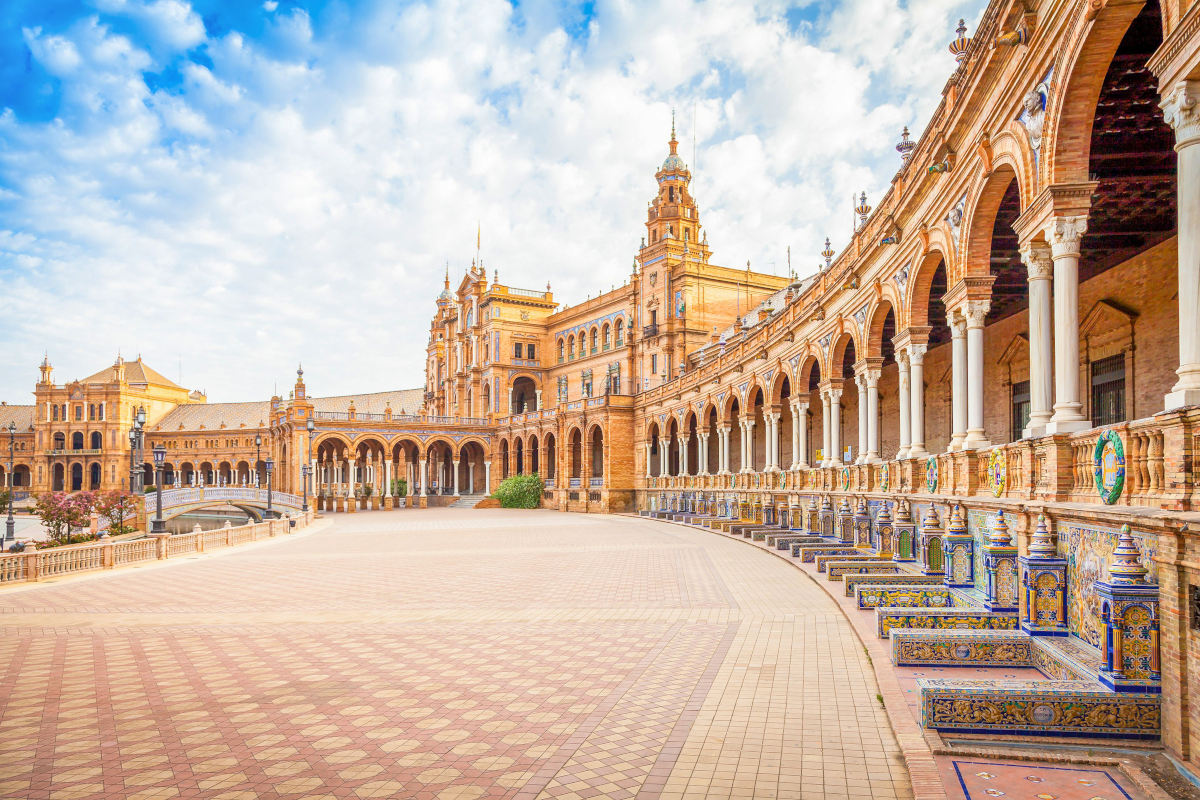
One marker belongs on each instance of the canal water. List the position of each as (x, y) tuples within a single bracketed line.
[(208, 520)]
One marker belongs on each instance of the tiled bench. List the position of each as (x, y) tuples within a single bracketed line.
[(855, 556), (887, 618), (962, 648), (785, 541), (872, 596), (902, 578), (839, 569), (1038, 708), (808, 553)]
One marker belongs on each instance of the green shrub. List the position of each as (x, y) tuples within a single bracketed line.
[(399, 487), (520, 491)]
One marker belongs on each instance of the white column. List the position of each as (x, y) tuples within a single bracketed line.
[(860, 380), (749, 440), (681, 445), (387, 478), (905, 400), (871, 377), (826, 441), (916, 360), (768, 438), (664, 456), (1064, 234), (701, 453), (835, 427), (801, 422), (975, 313), (1181, 109), (455, 462), (794, 405), (487, 477), (1039, 267), (537, 394), (723, 450), (424, 475), (958, 380), (470, 477), (649, 450)]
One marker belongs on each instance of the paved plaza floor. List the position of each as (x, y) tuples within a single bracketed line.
[(444, 654)]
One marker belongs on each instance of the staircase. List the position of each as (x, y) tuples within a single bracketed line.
[(467, 501)]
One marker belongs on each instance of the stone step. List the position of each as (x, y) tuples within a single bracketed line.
[(962, 648), (905, 577), (855, 556), (871, 597), (837, 570)]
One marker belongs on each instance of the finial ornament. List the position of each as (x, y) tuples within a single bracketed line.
[(905, 146), (827, 253), (959, 46), (999, 535), (1126, 567), (958, 525), (1041, 544), (862, 209)]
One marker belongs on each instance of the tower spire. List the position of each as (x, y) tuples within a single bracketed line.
[(673, 143)]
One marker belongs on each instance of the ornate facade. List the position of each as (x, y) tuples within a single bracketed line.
[(997, 374)]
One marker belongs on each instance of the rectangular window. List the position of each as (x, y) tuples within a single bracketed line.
[(1108, 390), (517, 350), (1020, 409), (529, 351), (654, 364)]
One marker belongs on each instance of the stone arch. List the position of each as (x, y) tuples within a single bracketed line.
[(522, 391), (920, 282), (775, 393), (1078, 78), (878, 343), (332, 436), (981, 217)]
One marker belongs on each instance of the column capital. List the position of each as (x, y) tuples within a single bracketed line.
[(1181, 110), (801, 406), (774, 416), (916, 353), (1037, 259), (975, 311), (956, 322), (1064, 234)]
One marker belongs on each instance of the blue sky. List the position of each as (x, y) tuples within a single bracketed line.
[(228, 188)]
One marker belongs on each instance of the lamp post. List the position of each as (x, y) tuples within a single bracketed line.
[(310, 427), (10, 525), (160, 455), (270, 466), (257, 455), (136, 441)]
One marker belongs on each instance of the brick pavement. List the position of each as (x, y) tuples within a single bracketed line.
[(444, 653)]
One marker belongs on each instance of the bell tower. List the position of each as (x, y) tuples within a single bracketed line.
[(673, 219)]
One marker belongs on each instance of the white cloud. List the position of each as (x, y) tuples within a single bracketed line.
[(297, 196)]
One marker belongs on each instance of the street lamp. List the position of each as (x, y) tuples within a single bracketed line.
[(160, 455), (10, 525), (270, 466), (135, 450), (257, 455), (310, 427)]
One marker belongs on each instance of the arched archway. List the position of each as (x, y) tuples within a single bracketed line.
[(57, 481), (524, 395), (575, 437), (76, 477), (596, 458), (551, 467)]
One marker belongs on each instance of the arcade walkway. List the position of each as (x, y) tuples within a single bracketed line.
[(444, 654)]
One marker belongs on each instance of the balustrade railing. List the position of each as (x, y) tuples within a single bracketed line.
[(33, 565)]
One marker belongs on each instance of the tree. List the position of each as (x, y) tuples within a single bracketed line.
[(61, 513), (520, 491), (115, 505)]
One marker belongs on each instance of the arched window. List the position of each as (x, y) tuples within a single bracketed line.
[(60, 441), (76, 441), (54, 412), (620, 332), (571, 346), (607, 336), (595, 340), (91, 411), (97, 440), (79, 412), (562, 350)]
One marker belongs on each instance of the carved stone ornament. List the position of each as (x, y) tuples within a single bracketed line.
[(1064, 234), (1037, 260), (1033, 115), (955, 218), (1181, 110)]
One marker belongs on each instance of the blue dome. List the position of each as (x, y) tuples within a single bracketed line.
[(674, 164)]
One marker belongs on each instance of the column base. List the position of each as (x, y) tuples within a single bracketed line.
[(1181, 397), (975, 441), (902, 454), (918, 452), (1067, 426), (956, 442)]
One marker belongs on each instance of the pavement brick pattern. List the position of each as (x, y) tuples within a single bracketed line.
[(443, 653)]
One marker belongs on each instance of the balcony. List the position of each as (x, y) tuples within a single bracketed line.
[(650, 330), (89, 452)]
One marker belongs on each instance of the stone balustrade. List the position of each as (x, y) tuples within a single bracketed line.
[(35, 565)]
